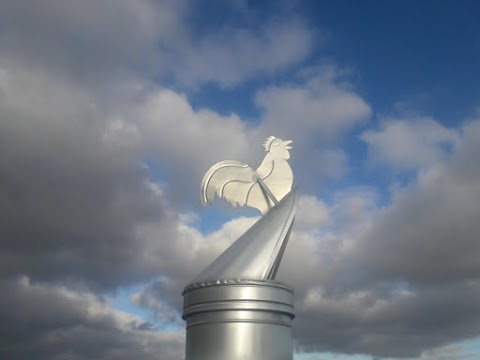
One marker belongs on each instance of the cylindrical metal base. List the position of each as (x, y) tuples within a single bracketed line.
[(239, 319)]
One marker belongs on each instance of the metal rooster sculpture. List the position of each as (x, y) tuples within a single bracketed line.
[(240, 185), (235, 309)]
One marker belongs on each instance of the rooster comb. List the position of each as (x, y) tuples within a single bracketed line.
[(269, 141)]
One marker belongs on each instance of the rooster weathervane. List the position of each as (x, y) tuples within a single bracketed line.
[(258, 252), (241, 185), (235, 308)]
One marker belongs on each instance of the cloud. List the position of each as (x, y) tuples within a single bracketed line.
[(314, 113), (96, 161), (82, 215), (446, 353), (429, 232), (370, 322), (409, 144), (323, 107), (76, 178), (186, 142), (159, 297), (312, 212), (92, 43), (74, 197), (231, 55), (116, 226), (44, 321), (71, 198), (100, 43), (79, 43), (399, 269), (366, 275), (196, 252)]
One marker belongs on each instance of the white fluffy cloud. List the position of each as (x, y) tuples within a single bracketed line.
[(230, 56), (93, 41), (315, 113), (428, 234), (409, 144), (186, 142), (323, 107)]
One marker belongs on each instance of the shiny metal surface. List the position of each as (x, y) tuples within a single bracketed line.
[(238, 183), (234, 309), (257, 253), (239, 319)]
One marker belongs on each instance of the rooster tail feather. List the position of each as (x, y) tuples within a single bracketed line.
[(207, 191), (222, 174)]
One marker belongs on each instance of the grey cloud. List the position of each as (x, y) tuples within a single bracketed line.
[(404, 279), (317, 111), (104, 47), (430, 233), (400, 325), (186, 142), (412, 143), (231, 55), (447, 353), (322, 107), (362, 283), (51, 322), (162, 298), (92, 42), (89, 42), (75, 202), (70, 200), (77, 207)]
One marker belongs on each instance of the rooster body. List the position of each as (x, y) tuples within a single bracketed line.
[(240, 185)]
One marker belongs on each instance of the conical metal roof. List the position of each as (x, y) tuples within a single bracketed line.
[(257, 253)]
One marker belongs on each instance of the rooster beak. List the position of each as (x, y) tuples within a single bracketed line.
[(288, 142)]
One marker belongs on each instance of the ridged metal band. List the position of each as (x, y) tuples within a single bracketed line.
[(242, 300), (236, 282)]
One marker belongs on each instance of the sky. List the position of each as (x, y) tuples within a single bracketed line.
[(112, 111)]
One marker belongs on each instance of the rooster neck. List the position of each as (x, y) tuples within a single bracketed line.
[(266, 166), (270, 162)]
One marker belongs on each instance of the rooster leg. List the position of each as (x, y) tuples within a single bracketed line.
[(267, 190)]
